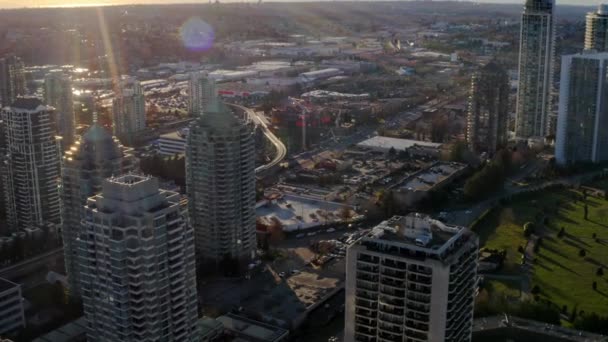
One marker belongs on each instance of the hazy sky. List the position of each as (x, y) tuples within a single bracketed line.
[(40, 3)]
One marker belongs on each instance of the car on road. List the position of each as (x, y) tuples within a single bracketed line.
[(331, 230)]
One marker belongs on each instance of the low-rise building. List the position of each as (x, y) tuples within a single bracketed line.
[(75, 331), (210, 329), (419, 185), (173, 143), (12, 317), (250, 330), (413, 147)]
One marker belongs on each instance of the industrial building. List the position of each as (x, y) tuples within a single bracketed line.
[(412, 278), (413, 147), (419, 185)]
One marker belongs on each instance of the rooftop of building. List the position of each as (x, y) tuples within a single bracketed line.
[(73, 331), (416, 231), (427, 179), (208, 324), (6, 284), (28, 103), (398, 144), (180, 135), (254, 331)]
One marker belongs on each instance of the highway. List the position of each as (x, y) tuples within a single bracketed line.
[(280, 147)]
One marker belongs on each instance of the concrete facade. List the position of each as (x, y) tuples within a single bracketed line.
[(93, 158), (411, 278), (31, 170), (536, 56), (138, 268), (220, 183)]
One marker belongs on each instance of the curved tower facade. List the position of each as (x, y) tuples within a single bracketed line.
[(95, 157), (596, 31), (536, 54), (220, 182)]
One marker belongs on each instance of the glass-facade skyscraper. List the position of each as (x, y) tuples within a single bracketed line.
[(536, 54)]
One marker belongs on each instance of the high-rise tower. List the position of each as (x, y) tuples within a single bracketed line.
[(220, 182), (536, 53), (58, 94), (93, 158), (138, 268), (201, 92), (31, 170), (129, 110), (582, 126), (12, 79), (596, 32), (488, 109), (411, 278)]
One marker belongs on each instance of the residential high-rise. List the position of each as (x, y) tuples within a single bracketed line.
[(93, 158), (411, 278), (200, 92), (12, 79), (31, 170), (220, 182), (129, 110), (137, 261), (488, 109), (536, 53), (596, 33), (582, 126), (58, 94)]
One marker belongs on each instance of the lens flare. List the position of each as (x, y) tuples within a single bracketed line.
[(197, 35)]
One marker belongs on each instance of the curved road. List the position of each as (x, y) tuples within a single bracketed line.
[(280, 147)]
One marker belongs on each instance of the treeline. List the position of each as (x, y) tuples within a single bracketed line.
[(490, 178)]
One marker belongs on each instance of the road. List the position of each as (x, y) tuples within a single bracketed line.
[(280, 147), (29, 272), (466, 218)]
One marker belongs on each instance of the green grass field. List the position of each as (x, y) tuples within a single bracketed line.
[(564, 277)]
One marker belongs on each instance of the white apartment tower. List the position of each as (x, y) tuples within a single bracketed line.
[(596, 31), (220, 183), (201, 92), (138, 268), (58, 94), (31, 169), (129, 110), (582, 126), (411, 278), (93, 158), (536, 54)]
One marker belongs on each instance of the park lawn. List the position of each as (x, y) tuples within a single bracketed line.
[(562, 275), (507, 288)]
